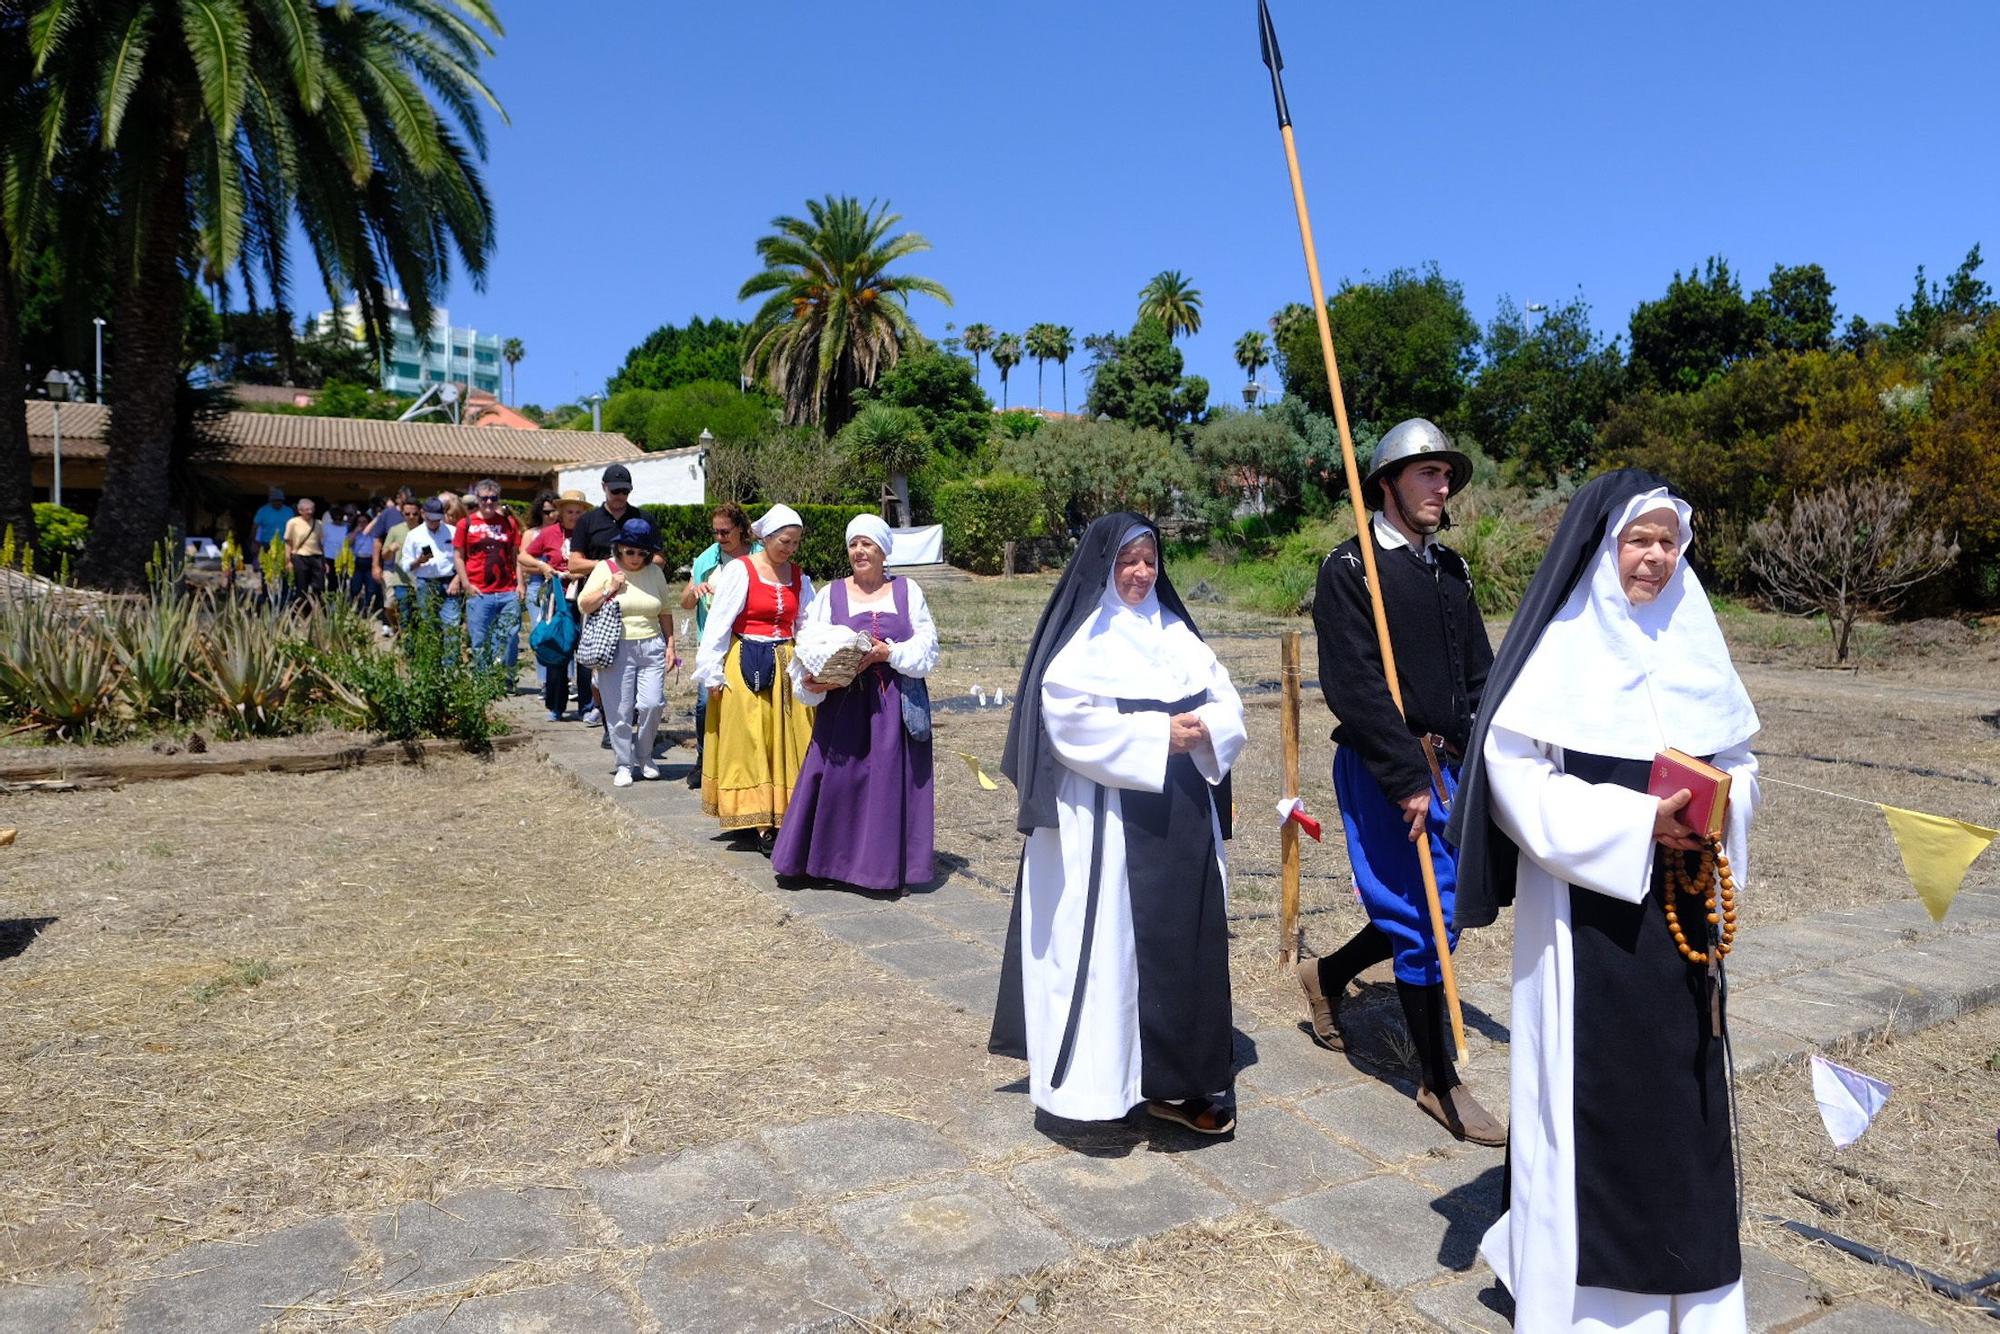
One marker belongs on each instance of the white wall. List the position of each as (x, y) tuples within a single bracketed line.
[(675, 477)]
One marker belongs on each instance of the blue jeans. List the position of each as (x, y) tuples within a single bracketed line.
[(430, 591), (494, 615)]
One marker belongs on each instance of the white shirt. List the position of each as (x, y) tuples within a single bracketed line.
[(732, 591), (914, 657), (437, 541)]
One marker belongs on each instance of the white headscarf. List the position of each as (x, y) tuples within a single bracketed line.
[(775, 518), (1611, 678), (872, 528), (1128, 652)]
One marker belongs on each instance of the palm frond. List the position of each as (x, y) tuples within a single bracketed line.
[(122, 71), (218, 41)]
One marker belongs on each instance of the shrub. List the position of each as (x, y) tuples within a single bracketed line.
[(1090, 468), (981, 517), (428, 686), (59, 535)]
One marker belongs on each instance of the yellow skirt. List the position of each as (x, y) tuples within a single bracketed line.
[(753, 746)]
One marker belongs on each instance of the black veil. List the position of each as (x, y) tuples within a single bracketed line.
[(1029, 760), (1487, 858)]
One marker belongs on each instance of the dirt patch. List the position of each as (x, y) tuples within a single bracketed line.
[(265, 999), (1921, 1184), (1248, 1273)]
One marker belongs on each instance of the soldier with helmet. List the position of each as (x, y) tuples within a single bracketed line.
[(1395, 774)]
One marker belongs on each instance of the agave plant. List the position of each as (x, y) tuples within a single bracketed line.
[(155, 640), (57, 668), (249, 669)]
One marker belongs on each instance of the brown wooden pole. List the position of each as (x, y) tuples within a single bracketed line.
[(1288, 732), (1366, 539)]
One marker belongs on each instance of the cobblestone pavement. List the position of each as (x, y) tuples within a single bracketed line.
[(833, 1221)]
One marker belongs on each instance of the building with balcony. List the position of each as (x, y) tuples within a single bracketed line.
[(412, 364)]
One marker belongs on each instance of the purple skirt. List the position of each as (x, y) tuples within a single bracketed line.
[(862, 810)]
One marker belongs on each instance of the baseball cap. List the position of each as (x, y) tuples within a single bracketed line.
[(617, 477), (434, 506)]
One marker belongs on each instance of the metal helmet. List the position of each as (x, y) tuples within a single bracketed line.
[(1409, 440)]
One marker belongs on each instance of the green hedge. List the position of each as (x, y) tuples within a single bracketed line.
[(981, 517), (685, 533)]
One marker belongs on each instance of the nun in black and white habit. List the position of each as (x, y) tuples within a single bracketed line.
[(1116, 982), (1622, 1198)]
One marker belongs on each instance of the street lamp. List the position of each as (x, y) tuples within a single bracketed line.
[(98, 383), (58, 386), (1250, 392), (1532, 308)]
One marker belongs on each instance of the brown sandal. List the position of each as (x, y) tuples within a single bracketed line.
[(1197, 1114)]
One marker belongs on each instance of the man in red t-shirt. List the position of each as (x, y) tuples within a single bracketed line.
[(487, 548)]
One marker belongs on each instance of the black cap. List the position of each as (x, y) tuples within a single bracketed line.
[(617, 478)]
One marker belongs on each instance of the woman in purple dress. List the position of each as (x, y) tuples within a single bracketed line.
[(862, 812)]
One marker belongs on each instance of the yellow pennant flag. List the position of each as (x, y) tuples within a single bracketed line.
[(972, 763), (1937, 852)]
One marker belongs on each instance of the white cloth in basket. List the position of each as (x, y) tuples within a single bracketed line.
[(831, 653)]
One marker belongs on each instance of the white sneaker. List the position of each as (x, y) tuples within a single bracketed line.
[(623, 778), (649, 772)]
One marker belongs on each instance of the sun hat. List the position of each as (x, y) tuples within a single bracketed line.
[(572, 498)]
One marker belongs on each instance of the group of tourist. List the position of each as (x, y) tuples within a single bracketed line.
[(1526, 774)]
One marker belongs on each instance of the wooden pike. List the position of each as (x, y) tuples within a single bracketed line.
[(1363, 519)]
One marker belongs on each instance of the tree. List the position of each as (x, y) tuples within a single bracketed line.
[(955, 412), (1254, 460), (1541, 397), (513, 352), (227, 128), (1847, 549), (834, 318), (1170, 299), (889, 443), (1040, 344), (674, 355), (1139, 381), (1062, 345), (1796, 309), (1406, 345), (976, 338), (679, 415), (1935, 312), (1253, 352), (258, 347), (1090, 468), (1698, 329), (1006, 356)]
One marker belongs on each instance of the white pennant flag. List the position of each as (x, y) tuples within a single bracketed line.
[(1848, 1100)]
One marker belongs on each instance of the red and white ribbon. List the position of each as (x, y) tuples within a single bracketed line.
[(1293, 809)]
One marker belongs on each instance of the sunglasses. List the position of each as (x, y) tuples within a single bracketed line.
[(618, 491)]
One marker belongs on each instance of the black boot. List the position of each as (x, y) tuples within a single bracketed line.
[(1440, 1095)]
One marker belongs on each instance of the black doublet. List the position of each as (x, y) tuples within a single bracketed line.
[(1442, 656)]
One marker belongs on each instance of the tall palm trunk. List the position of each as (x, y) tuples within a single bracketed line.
[(132, 512), (16, 480), (1039, 364), (1064, 366)]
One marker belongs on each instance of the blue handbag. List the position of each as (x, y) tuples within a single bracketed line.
[(553, 639), (916, 708)]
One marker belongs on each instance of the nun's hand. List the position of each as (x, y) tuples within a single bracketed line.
[(1185, 733), (1668, 831)]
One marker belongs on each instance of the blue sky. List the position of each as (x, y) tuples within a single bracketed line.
[(1058, 155)]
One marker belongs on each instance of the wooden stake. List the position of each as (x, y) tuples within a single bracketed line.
[(1288, 732), (1363, 523)]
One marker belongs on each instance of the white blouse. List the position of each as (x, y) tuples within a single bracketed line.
[(732, 591), (916, 656)]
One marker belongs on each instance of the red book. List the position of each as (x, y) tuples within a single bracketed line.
[(1707, 787)]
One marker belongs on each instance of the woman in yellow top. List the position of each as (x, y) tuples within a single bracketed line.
[(635, 685)]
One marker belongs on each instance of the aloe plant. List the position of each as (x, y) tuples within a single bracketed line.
[(155, 641), (57, 669), (249, 670)]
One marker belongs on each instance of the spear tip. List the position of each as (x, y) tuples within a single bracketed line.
[(1274, 60)]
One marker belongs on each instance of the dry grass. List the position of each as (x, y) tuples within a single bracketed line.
[(1246, 1273), (268, 999), (1923, 1183)]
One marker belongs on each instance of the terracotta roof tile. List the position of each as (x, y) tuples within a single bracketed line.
[(267, 439)]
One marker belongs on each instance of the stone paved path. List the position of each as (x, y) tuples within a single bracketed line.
[(808, 1225)]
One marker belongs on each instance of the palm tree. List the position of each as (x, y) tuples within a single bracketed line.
[(1036, 342), (976, 338), (1253, 352), (1062, 342), (226, 127), (1006, 356), (834, 319), (1169, 299), (513, 353)]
